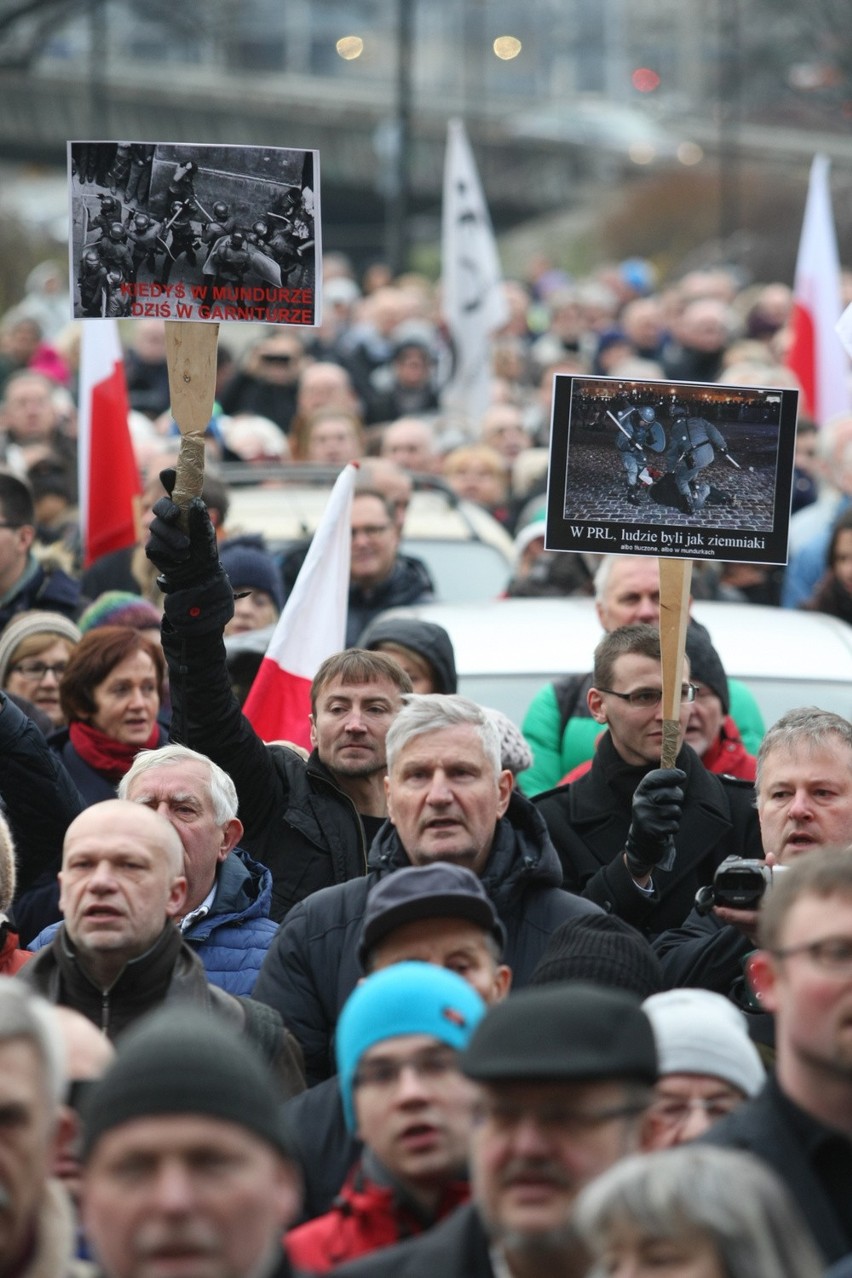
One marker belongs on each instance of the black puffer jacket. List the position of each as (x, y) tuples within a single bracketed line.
[(311, 967), (38, 796), (297, 821)]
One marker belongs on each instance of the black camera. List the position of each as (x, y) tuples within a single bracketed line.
[(738, 884)]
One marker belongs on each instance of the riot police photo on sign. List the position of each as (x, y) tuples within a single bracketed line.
[(681, 469), (194, 232)]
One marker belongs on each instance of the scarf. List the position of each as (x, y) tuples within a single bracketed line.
[(106, 755)]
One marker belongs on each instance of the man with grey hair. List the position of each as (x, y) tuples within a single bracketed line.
[(37, 1234), (225, 917), (448, 800), (804, 803)]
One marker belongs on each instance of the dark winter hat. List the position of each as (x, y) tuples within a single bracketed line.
[(563, 1033), (705, 664), (434, 891), (612, 337), (250, 567), (602, 949), (181, 1060), (425, 638)]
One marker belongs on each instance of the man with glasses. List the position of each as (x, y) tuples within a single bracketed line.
[(708, 1064), (801, 1122), (398, 1044), (804, 803), (564, 1077), (636, 838), (380, 577)]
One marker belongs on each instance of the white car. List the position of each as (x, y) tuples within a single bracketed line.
[(507, 649), (468, 554)]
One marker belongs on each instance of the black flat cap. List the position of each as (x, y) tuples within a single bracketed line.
[(563, 1032), (434, 891)]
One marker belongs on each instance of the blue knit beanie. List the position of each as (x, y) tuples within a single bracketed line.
[(406, 998)]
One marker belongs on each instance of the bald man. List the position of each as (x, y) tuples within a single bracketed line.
[(118, 953)]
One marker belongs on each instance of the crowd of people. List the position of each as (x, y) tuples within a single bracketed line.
[(446, 992)]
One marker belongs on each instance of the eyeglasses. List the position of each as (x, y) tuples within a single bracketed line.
[(507, 1115), (38, 669), (371, 530), (648, 698), (832, 954), (386, 1073), (674, 1113)]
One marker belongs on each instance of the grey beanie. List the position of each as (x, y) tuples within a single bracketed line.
[(182, 1060), (515, 753), (27, 624), (699, 1032)]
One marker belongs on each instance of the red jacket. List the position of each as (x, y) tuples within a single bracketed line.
[(11, 958), (727, 757), (365, 1217)]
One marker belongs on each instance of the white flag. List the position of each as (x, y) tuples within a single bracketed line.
[(815, 355), (311, 627), (471, 282)]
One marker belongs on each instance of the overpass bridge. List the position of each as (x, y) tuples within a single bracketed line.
[(352, 129), (352, 125)]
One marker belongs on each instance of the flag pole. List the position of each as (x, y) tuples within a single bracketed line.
[(191, 360)]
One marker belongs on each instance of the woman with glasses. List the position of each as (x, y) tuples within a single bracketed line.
[(35, 648)]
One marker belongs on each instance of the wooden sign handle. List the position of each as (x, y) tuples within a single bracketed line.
[(191, 359), (675, 585)]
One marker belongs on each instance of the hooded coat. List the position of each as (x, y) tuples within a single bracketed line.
[(428, 640)]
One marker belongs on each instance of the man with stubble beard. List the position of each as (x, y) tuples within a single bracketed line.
[(310, 821)]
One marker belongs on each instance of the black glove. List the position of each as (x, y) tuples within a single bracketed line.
[(723, 450), (183, 559), (657, 813)]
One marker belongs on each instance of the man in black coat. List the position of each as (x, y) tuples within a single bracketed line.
[(310, 822), (801, 1122), (636, 838), (448, 800), (564, 1078)]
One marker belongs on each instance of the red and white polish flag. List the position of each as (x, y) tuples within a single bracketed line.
[(107, 474), (311, 627), (816, 354)]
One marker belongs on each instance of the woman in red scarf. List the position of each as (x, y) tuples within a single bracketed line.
[(110, 694)]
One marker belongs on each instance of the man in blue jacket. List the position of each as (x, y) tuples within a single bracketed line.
[(226, 913)]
